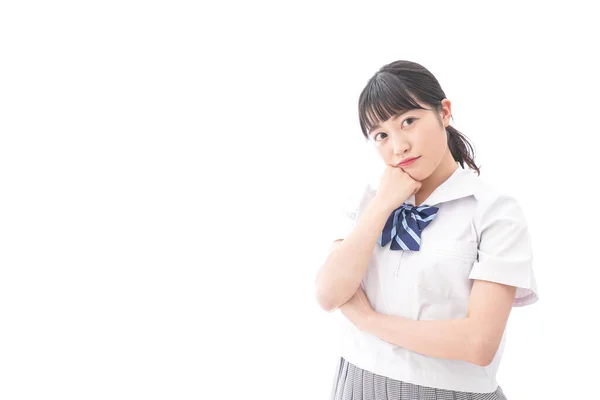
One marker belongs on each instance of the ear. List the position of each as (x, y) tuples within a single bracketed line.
[(446, 112)]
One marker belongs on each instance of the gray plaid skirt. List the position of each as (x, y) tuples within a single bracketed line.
[(354, 383)]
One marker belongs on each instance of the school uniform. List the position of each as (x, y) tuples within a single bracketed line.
[(477, 233)]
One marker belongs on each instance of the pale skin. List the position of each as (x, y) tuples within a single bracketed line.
[(475, 338)]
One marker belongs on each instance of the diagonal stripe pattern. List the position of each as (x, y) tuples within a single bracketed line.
[(404, 226)]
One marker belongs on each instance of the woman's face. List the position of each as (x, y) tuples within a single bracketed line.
[(415, 133)]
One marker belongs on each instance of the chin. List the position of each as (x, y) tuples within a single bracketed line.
[(416, 174), (422, 171)]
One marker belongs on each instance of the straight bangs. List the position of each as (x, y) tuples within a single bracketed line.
[(384, 96)]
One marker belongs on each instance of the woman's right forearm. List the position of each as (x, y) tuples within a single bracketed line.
[(345, 266)]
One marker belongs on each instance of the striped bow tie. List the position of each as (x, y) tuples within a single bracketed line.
[(405, 225)]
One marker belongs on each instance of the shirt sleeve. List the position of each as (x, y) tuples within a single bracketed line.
[(346, 212), (504, 253)]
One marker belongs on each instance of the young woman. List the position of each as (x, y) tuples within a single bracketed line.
[(425, 267)]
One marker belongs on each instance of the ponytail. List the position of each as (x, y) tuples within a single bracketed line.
[(461, 149)]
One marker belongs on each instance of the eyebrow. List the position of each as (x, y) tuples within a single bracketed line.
[(375, 127)]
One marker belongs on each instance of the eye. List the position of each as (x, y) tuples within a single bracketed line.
[(408, 119), (375, 136)]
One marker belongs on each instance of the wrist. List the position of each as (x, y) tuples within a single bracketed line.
[(382, 205)]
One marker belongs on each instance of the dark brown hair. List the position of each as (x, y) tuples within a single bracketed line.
[(396, 88)]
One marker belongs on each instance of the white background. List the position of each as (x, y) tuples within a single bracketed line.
[(169, 171)]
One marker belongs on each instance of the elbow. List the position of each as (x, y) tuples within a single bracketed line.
[(321, 295), (330, 297), (325, 300), (483, 352), (326, 306), (483, 360), (332, 294)]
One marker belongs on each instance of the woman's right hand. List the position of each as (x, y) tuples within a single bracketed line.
[(395, 187)]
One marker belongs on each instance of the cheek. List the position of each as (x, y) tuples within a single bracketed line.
[(432, 150), (385, 154), (434, 144)]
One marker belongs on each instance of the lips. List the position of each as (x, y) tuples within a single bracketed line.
[(407, 162)]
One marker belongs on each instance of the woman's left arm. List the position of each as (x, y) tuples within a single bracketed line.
[(474, 338)]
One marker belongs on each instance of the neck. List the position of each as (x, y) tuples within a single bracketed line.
[(439, 176)]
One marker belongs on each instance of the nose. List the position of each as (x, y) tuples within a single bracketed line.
[(400, 143)]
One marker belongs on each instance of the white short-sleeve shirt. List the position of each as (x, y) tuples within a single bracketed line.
[(478, 233)]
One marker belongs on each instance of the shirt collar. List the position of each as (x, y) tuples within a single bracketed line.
[(462, 183)]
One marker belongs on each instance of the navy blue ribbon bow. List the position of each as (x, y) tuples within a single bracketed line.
[(404, 226)]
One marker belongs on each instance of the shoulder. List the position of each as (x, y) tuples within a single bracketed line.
[(351, 196), (495, 203), (363, 195), (359, 190)]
